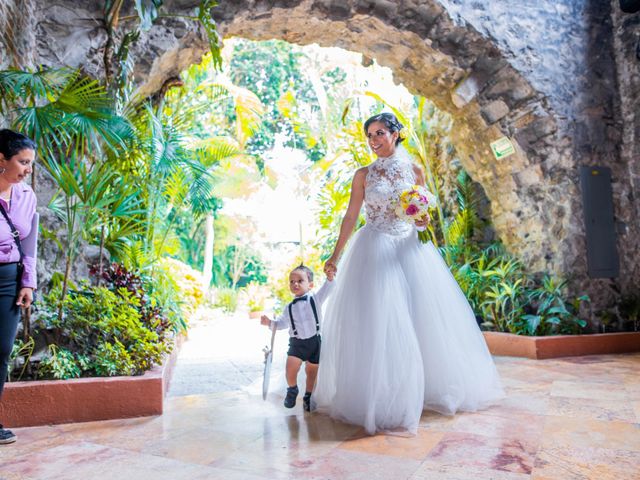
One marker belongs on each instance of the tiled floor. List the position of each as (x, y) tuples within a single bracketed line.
[(575, 418)]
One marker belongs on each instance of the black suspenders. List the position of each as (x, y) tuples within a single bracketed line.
[(315, 315)]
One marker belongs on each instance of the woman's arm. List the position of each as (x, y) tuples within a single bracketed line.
[(349, 220), (28, 282), (419, 175)]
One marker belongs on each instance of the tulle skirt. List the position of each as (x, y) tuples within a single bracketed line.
[(399, 336)]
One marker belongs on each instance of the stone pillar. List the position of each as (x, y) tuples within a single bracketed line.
[(626, 36), (18, 33)]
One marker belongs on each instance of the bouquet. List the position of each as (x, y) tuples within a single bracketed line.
[(413, 205)]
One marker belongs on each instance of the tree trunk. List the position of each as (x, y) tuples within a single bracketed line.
[(208, 250), (65, 283), (102, 234)]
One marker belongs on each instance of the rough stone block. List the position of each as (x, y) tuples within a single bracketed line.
[(422, 18), (510, 87), (465, 91), (530, 176), (385, 8), (535, 131), (364, 6), (494, 111), (336, 9)]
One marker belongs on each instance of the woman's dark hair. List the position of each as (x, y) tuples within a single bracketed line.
[(12, 143), (389, 120)]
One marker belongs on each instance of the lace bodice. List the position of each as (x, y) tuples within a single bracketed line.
[(386, 179)]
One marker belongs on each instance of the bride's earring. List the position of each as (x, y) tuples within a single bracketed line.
[(2, 170)]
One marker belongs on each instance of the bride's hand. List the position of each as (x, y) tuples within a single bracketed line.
[(330, 268), (423, 222)]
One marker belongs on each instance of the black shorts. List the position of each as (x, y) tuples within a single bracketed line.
[(306, 349)]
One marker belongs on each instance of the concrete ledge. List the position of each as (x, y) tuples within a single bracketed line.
[(48, 402), (508, 344)]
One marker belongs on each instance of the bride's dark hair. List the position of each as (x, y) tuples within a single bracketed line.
[(389, 120)]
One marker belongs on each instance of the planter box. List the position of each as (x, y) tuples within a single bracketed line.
[(511, 345), (48, 402)]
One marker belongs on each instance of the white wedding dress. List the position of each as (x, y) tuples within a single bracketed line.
[(399, 335)]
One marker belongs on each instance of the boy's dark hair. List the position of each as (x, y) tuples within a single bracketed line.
[(302, 267)]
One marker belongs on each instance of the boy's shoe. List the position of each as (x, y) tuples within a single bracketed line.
[(306, 402), (6, 436), (290, 399)]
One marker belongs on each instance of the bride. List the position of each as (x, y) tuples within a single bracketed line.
[(399, 335)]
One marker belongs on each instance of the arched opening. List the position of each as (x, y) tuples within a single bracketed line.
[(465, 75)]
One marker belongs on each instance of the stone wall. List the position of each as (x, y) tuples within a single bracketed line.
[(17, 33), (581, 55), (627, 56), (543, 73)]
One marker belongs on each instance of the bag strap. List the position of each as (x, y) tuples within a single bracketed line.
[(14, 232)]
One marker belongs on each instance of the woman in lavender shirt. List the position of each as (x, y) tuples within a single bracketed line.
[(17, 264)]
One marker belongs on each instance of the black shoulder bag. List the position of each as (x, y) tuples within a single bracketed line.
[(16, 238)]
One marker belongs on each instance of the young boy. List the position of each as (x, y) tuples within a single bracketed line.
[(303, 316)]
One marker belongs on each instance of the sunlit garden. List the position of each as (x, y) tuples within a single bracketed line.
[(213, 193), (178, 209)]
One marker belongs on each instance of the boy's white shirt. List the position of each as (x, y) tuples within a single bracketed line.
[(303, 313)]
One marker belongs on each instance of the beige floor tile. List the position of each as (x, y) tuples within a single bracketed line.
[(591, 409), (586, 464), (614, 392), (416, 447), (486, 453), (434, 471), (580, 433), (564, 419)]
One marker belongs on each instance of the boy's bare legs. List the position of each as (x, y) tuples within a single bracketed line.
[(312, 372), (292, 369), (311, 369)]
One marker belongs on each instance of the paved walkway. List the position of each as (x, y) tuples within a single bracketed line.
[(574, 418), (222, 354)]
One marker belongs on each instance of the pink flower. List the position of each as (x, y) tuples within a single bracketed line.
[(411, 210)]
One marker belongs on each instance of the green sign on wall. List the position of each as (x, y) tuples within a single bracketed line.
[(502, 148)]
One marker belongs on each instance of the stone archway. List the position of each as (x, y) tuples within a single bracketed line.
[(550, 87), (465, 75)]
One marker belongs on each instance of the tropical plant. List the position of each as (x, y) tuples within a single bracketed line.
[(85, 193), (226, 299), (255, 296), (219, 136), (553, 314), (116, 63), (101, 332), (70, 117), (21, 352)]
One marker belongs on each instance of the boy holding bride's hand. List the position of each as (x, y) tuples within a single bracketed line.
[(303, 317)]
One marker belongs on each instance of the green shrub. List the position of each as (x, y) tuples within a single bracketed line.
[(112, 359), (507, 299), (255, 296), (102, 332), (227, 299), (60, 364)]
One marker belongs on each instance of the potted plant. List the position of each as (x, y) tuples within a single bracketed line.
[(256, 298)]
